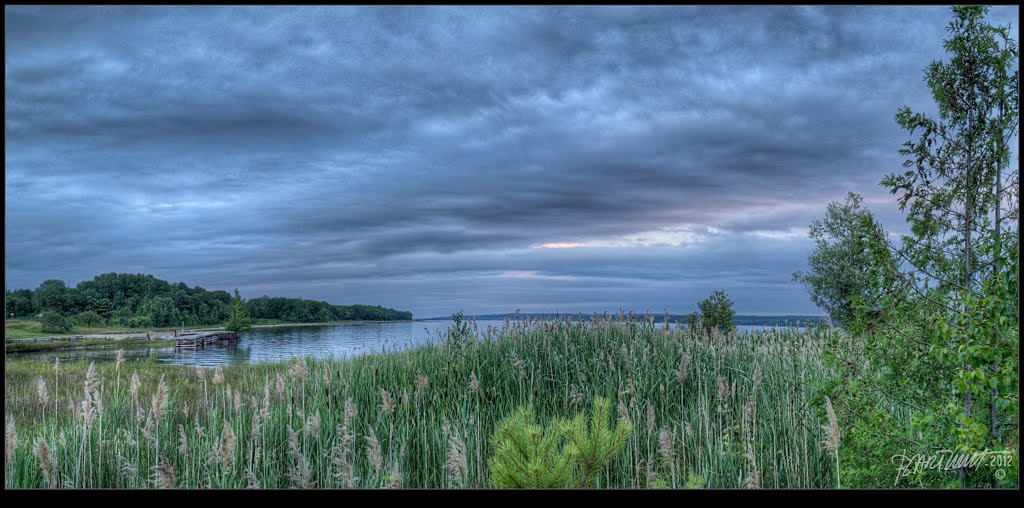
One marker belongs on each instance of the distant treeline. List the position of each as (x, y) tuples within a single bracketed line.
[(138, 300), (297, 310), (672, 318)]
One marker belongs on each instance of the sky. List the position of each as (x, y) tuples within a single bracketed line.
[(432, 159)]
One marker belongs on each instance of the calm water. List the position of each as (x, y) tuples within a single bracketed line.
[(282, 343)]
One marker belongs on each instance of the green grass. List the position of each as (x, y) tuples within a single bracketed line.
[(26, 347), (286, 424), (27, 329), (24, 329)]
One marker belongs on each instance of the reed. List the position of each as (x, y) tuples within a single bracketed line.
[(731, 410), (832, 436)]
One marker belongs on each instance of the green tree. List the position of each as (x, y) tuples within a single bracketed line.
[(238, 315), (953, 192), (160, 310), (843, 271), (716, 313), (19, 303), (941, 336), (140, 300), (50, 295)]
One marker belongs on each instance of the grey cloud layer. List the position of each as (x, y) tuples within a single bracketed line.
[(409, 156)]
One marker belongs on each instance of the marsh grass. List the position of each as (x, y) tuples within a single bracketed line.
[(28, 347), (732, 411)]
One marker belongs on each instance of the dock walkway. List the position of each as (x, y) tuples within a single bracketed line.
[(201, 339)]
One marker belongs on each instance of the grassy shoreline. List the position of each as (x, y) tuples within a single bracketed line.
[(701, 407), (29, 329), (70, 345)]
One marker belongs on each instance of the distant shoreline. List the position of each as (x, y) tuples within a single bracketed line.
[(321, 324), (739, 320)]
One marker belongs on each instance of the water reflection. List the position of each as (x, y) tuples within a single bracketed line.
[(282, 343)]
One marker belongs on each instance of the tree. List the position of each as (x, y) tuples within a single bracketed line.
[(939, 335), (238, 315), (93, 301), (716, 313), (955, 196), (160, 310), (843, 269), (139, 300), (19, 303), (50, 295)]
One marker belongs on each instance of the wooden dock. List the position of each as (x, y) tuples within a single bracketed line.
[(202, 339)]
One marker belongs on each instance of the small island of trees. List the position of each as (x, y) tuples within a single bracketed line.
[(139, 301)]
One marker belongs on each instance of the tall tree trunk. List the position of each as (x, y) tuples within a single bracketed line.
[(967, 268)]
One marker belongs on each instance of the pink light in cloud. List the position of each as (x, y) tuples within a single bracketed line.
[(560, 245)]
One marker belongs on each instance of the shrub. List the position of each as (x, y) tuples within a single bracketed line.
[(140, 321), (89, 319), (526, 456), (459, 333), (54, 322), (694, 481), (568, 454), (593, 444)]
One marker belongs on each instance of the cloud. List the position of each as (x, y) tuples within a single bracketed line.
[(409, 156)]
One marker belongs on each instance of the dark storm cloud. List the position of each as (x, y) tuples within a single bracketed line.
[(417, 156)]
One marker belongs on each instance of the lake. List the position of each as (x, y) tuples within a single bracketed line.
[(283, 342)]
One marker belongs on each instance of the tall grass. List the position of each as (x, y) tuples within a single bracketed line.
[(731, 410)]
